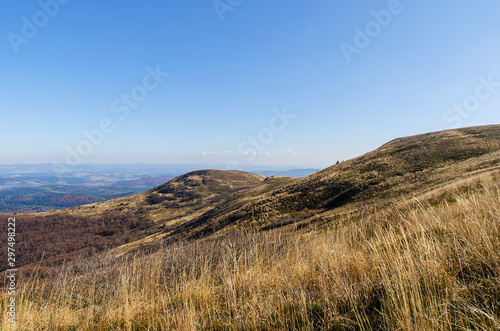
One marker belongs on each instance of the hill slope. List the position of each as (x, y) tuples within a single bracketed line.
[(406, 167), (426, 265), (188, 193), (208, 201)]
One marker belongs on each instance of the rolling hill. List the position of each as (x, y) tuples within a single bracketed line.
[(404, 237), (208, 201), (404, 167)]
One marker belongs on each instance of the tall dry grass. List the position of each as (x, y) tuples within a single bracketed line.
[(409, 268)]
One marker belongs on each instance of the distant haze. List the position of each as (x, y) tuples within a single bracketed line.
[(296, 83)]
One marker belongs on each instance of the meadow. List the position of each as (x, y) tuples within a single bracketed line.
[(413, 266)]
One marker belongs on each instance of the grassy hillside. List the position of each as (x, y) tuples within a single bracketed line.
[(405, 237), (420, 268), (49, 239), (182, 195), (208, 202), (411, 166)]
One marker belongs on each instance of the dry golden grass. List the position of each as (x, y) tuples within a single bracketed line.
[(425, 267)]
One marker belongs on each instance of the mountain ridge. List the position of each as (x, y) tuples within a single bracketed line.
[(205, 202)]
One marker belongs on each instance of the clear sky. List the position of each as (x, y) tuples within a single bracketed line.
[(296, 83)]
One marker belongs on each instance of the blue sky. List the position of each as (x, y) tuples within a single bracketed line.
[(249, 82)]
